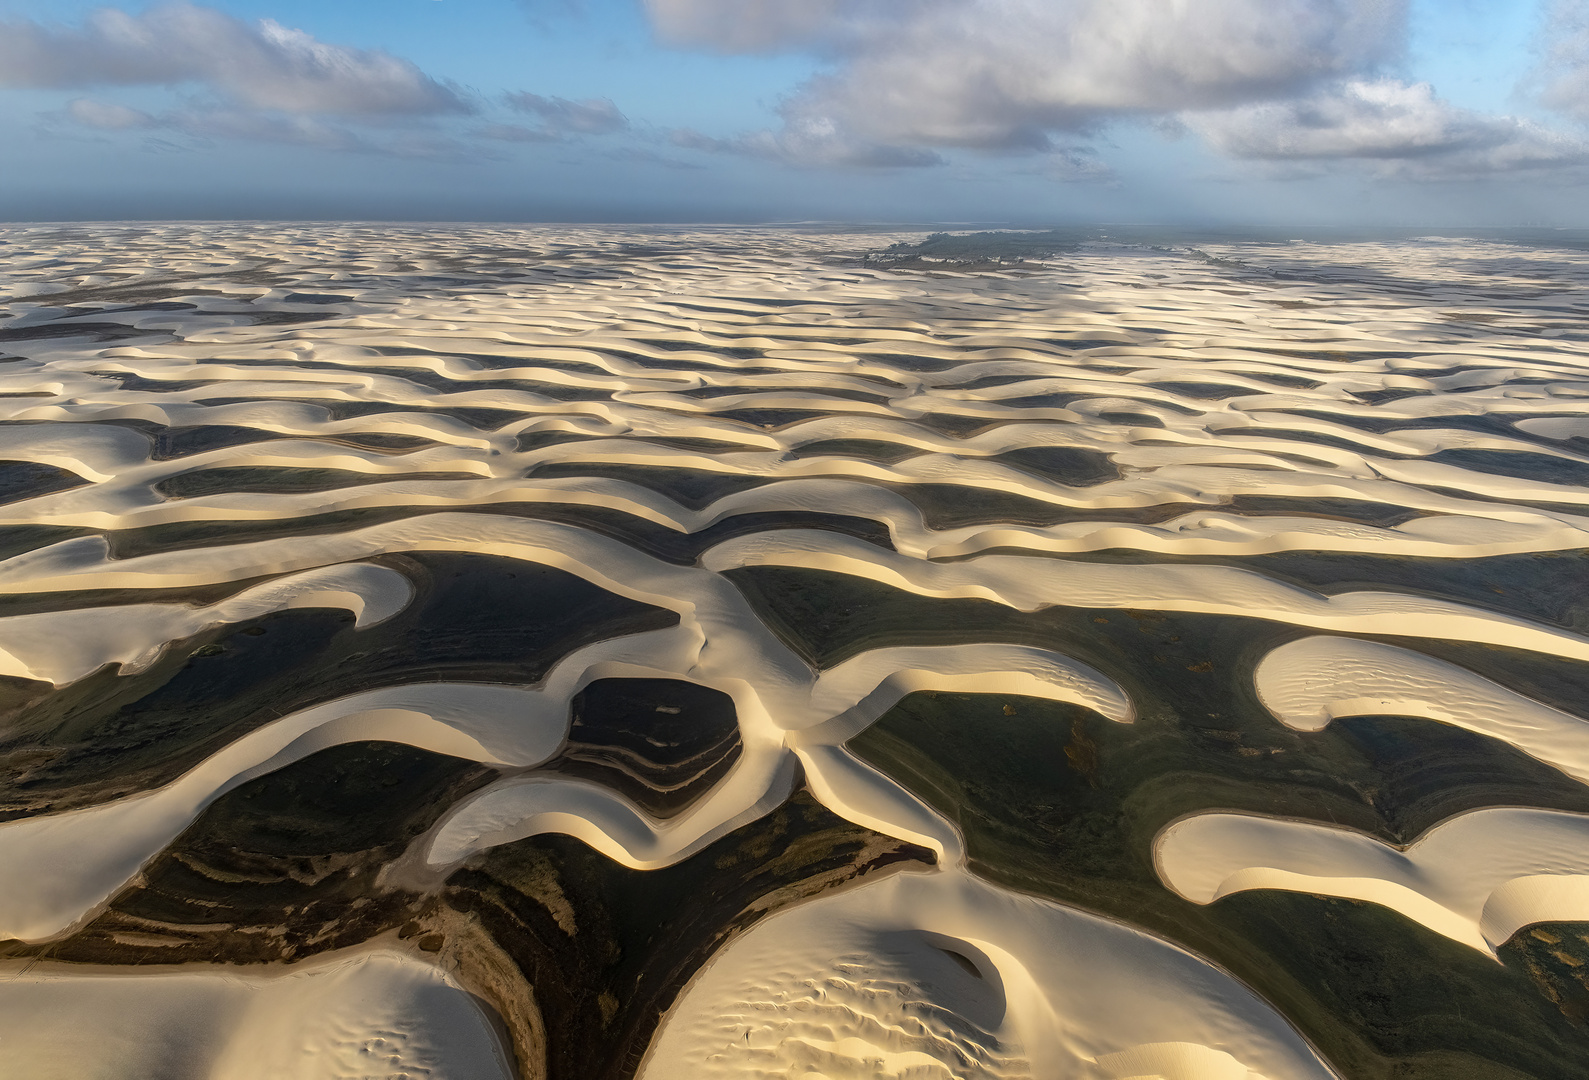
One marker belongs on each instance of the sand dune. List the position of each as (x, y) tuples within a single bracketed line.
[(63, 866), (264, 410), (1477, 878), (372, 1012), (63, 646), (1308, 683), (942, 975)]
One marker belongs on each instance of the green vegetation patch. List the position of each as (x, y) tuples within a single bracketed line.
[(29, 479), (1057, 801), (477, 618)]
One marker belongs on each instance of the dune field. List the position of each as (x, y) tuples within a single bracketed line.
[(598, 653)]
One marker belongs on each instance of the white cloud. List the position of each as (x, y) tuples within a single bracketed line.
[(254, 126), (263, 65), (517, 133), (560, 117), (750, 26), (1003, 74), (194, 128), (107, 117), (1563, 75), (809, 141), (1399, 128)]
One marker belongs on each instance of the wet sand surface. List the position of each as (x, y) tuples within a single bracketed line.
[(601, 653)]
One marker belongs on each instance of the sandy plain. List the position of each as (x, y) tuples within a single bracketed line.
[(209, 431)]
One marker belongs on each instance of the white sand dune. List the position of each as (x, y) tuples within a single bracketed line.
[(1310, 682), (1230, 413), (63, 646), (1029, 584), (358, 1015), (60, 868), (942, 975), (1477, 878), (72, 862), (1421, 401)]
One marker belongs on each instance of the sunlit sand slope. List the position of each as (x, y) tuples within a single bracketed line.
[(372, 1013), (270, 497), (945, 976)]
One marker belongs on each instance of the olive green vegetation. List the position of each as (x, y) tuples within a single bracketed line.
[(607, 948), (476, 618), (281, 868), (980, 250), (1057, 801), (29, 479), (1556, 955)]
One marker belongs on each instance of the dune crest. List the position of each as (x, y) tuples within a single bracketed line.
[(1310, 682), (818, 491), (340, 1017), (944, 975), (1477, 878)]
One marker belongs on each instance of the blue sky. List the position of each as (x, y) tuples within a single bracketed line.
[(1401, 112)]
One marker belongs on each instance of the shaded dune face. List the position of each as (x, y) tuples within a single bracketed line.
[(591, 654)]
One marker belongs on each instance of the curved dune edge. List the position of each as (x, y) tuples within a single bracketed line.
[(1196, 393), (1025, 583), (882, 973), (1307, 683), (61, 868), (1477, 878), (787, 713), (69, 864), (61, 647), (1028, 584), (341, 1016), (125, 495)]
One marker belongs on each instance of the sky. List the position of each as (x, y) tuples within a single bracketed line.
[(1410, 113)]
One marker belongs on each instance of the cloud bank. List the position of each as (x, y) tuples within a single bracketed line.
[(1564, 70), (263, 65), (1401, 128), (1004, 74)]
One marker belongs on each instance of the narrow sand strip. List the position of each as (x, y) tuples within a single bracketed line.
[(1477, 878), (1310, 682)]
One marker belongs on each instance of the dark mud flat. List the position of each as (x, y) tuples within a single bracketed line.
[(27, 480), (661, 743)]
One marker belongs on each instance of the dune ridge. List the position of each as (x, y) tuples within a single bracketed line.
[(268, 409), (361, 1013), (1477, 878)]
